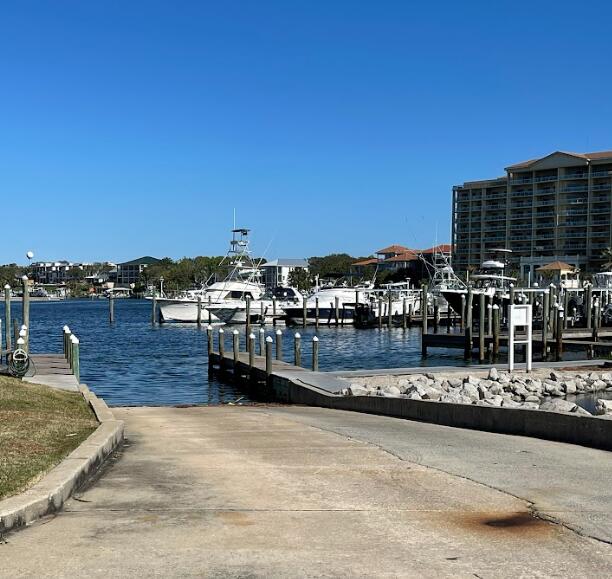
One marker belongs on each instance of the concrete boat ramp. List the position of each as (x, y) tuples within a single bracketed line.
[(278, 491)]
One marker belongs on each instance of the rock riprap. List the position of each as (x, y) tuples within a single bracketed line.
[(540, 390)]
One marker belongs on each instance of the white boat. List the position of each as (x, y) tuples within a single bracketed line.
[(271, 306), (241, 282), (330, 300)]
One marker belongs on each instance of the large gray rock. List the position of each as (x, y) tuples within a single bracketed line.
[(431, 394), (603, 406), (533, 398), (558, 406), (530, 405), (455, 382), (496, 388), (556, 376), (470, 391), (493, 374), (471, 380), (392, 390), (569, 386), (599, 385)]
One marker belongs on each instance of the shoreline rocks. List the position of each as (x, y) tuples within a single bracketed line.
[(541, 390)]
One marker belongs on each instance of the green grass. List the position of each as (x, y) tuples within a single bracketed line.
[(39, 426)]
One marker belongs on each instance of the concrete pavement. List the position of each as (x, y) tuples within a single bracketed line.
[(272, 491)]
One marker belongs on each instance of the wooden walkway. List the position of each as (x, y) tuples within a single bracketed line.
[(52, 370)]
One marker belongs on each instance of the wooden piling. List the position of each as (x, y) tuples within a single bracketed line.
[(565, 307), (436, 315), (76, 361), (297, 349), (279, 345), (589, 305), (496, 329), (221, 345), (262, 341), (304, 313), (268, 356), (208, 309), (559, 328), (545, 311), (274, 307), (7, 316), (154, 309), (317, 313), (380, 312), (410, 312), (251, 348), (462, 320), (111, 308), (424, 308), (209, 338), (236, 347), (404, 308), (315, 354), (467, 354), (481, 327), (336, 309), (390, 310), (448, 319), (248, 316)]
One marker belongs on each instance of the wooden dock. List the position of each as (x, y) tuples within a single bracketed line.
[(51, 370)]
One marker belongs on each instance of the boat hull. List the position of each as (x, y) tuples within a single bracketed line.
[(184, 312)]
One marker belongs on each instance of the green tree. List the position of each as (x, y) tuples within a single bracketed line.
[(300, 278), (11, 274), (607, 255)]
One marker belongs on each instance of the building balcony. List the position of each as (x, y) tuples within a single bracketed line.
[(574, 189), (575, 176), (522, 193), (597, 174), (545, 179), (520, 181)]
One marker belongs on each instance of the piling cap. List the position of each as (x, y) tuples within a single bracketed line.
[(315, 339), (22, 333), (251, 336), (269, 340), (209, 327), (535, 284), (221, 331), (24, 278), (7, 286), (74, 339), (66, 329), (262, 331), (20, 341), (235, 332), (24, 327), (297, 335), (495, 307), (278, 333)]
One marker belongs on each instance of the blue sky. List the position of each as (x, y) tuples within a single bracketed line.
[(133, 128)]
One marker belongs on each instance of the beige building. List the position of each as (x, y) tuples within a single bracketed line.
[(557, 207)]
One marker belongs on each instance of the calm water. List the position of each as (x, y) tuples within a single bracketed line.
[(132, 362)]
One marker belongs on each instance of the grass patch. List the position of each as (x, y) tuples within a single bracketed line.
[(39, 426)]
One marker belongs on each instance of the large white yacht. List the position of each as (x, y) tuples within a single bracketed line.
[(328, 298), (242, 281)]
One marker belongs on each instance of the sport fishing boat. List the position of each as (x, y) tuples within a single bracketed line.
[(271, 306), (490, 279), (330, 300), (241, 282)]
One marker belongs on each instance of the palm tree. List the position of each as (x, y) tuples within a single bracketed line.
[(607, 255)]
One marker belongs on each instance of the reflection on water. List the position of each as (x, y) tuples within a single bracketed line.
[(133, 362)]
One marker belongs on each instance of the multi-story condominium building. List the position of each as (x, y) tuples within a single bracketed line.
[(277, 272), (129, 272), (557, 207)]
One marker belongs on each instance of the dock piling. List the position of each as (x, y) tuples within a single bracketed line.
[(75, 358), (436, 315), (25, 316), (262, 340), (304, 313), (496, 330), (236, 347), (279, 345), (315, 354), (317, 313), (154, 309), (297, 349), (209, 338), (404, 312), (559, 334), (589, 306), (467, 353), (221, 344), (111, 308), (336, 308), (248, 315), (390, 311), (251, 348), (545, 311), (268, 356)]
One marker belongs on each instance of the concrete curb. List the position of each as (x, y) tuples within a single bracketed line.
[(558, 426), (49, 495)]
